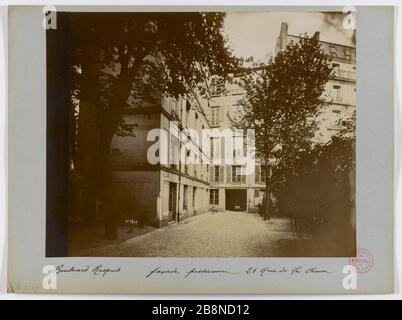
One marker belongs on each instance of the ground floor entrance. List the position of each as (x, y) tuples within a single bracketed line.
[(236, 199)]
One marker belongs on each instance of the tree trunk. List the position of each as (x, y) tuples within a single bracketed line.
[(88, 153), (267, 211), (88, 139), (101, 184), (106, 181), (109, 124)]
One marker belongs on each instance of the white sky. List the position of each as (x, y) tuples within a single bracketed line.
[(255, 33)]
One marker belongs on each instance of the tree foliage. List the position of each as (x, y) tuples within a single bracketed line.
[(121, 60), (318, 195), (281, 102), (183, 47)]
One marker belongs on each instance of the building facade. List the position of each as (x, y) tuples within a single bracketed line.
[(340, 90), (171, 191), (232, 191)]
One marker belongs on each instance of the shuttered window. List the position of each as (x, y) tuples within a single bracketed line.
[(259, 174), (237, 174), (214, 196), (215, 116)]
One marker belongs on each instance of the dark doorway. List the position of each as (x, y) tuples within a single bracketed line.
[(172, 201), (236, 199)]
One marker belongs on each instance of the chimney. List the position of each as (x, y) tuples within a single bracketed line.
[(283, 36), (284, 29), (317, 35)]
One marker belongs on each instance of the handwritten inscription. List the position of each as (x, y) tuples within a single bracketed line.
[(99, 270), (103, 271), (264, 271), (286, 270), (187, 273)]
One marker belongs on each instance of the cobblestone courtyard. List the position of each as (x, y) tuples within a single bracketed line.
[(223, 234)]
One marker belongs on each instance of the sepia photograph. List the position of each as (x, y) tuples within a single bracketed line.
[(201, 134)]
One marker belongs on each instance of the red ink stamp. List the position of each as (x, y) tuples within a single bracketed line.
[(363, 262)]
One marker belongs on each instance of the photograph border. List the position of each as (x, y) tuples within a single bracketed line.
[(27, 172)]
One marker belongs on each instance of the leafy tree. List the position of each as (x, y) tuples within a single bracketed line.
[(319, 196), (120, 59), (281, 103)]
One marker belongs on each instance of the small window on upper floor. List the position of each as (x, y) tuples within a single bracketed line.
[(332, 51), (215, 116), (337, 93), (348, 54)]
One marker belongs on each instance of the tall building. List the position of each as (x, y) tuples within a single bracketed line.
[(230, 190), (340, 91), (171, 190)]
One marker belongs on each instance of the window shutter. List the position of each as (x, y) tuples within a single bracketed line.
[(228, 174), (211, 174), (222, 149), (221, 173), (211, 112), (243, 174), (257, 174), (221, 114), (262, 174)]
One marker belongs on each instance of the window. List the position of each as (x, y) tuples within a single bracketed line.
[(214, 196), (187, 161), (215, 148), (215, 116), (337, 93), (216, 173), (236, 173), (348, 54), (257, 193), (185, 198), (262, 173), (259, 174), (173, 107), (332, 51), (174, 149), (237, 146), (188, 107), (336, 68)]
